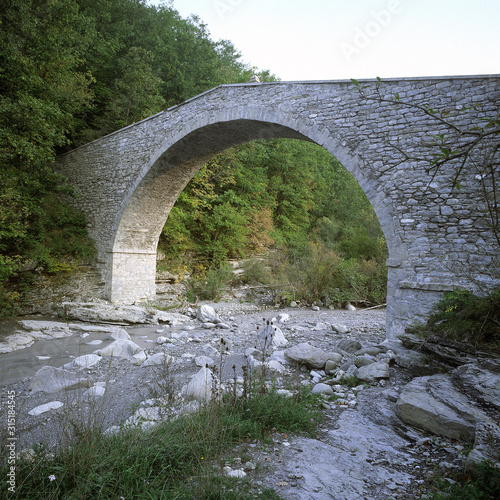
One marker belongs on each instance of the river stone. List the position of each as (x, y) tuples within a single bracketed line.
[(322, 389), (278, 356), (124, 349), (279, 339), (119, 334), (96, 391), (371, 351), (338, 328), (51, 379), (276, 366), (332, 363), (283, 317), (172, 319), (373, 372), (85, 361), (252, 351), (160, 358), (53, 405), (94, 313), (204, 361), (306, 354), (265, 368), (94, 342), (486, 447), (200, 386), (366, 360), (484, 383), (349, 345), (432, 403), (207, 314)]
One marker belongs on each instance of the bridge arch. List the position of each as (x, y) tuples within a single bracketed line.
[(129, 180), (146, 207)]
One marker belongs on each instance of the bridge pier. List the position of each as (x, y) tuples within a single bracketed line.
[(130, 276)]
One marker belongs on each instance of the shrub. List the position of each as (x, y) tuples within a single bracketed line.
[(321, 274), (210, 285), (484, 487), (256, 271), (465, 317)]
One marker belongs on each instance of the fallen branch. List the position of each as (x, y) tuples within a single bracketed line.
[(373, 307)]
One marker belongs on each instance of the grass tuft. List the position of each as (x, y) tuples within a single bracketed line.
[(180, 458)]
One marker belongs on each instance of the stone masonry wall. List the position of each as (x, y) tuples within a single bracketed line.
[(438, 238)]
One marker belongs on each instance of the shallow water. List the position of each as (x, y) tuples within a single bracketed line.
[(24, 363)]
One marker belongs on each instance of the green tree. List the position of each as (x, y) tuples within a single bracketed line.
[(136, 92), (42, 87)]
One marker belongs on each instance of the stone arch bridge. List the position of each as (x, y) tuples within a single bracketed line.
[(128, 181)]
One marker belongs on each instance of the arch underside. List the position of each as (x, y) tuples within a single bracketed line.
[(147, 210)]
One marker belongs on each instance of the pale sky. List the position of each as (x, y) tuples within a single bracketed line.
[(341, 39)]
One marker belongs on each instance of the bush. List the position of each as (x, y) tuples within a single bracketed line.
[(321, 274), (256, 271), (210, 285), (465, 317), (484, 487)]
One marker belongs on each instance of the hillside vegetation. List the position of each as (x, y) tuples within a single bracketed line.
[(75, 70)]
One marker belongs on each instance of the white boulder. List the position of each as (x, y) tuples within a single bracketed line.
[(207, 314), (200, 386), (124, 349), (53, 405), (51, 379)]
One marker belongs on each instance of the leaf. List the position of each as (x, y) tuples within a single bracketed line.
[(355, 82)]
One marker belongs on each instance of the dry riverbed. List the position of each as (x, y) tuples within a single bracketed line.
[(363, 449)]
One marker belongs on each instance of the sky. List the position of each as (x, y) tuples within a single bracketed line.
[(342, 39)]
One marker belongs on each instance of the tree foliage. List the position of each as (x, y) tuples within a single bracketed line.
[(72, 71), (271, 194)]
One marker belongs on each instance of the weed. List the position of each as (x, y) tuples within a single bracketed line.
[(465, 317), (486, 486), (351, 381), (165, 386), (209, 285)]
